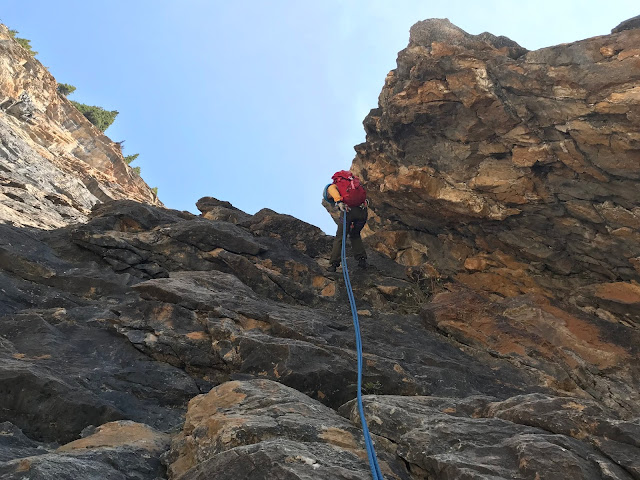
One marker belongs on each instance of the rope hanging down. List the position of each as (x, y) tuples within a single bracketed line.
[(371, 453)]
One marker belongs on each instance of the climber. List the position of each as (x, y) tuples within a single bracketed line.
[(347, 194)]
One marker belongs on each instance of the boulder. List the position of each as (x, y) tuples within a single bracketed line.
[(262, 428), (116, 450), (533, 436)]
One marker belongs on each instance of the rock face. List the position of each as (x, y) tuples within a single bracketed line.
[(525, 166), (628, 25), (129, 316), (531, 436), (54, 164), (116, 450), (146, 343), (313, 440)]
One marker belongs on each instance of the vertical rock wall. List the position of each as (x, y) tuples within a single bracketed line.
[(513, 172), (54, 164)]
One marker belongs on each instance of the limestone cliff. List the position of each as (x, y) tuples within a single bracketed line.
[(54, 164), (512, 172), (146, 343)]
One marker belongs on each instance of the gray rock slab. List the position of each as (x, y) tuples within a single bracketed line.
[(260, 428), (459, 438)]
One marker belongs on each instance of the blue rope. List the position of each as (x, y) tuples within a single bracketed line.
[(371, 453)]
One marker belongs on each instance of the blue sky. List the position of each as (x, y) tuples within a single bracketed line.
[(258, 102)]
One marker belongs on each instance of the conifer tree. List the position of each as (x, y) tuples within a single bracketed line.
[(26, 44), (100, 117), (66, 89)]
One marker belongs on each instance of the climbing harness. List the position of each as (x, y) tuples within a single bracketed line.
[(371, 453)]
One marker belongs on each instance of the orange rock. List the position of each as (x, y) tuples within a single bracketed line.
[(329, 290), (611, 108), (387, 290), (439, 49), (319, 281), (634, 52), (477, 264), (121, 433), (607, 51), (529, 156), (490, 282), (619, 292)]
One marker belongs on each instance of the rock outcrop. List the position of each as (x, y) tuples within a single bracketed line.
[(292, 437), (116, 450), (129, 316), (531, 436), (146, 343), (54, 164), (512, 172)]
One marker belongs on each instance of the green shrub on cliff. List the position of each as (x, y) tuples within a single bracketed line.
[(26, 44), (130, 158), (66, 89), (100, 117)]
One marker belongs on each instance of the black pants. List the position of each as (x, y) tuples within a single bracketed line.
[(356, 220)]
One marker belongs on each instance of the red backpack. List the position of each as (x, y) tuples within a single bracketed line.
[(351, 191)]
